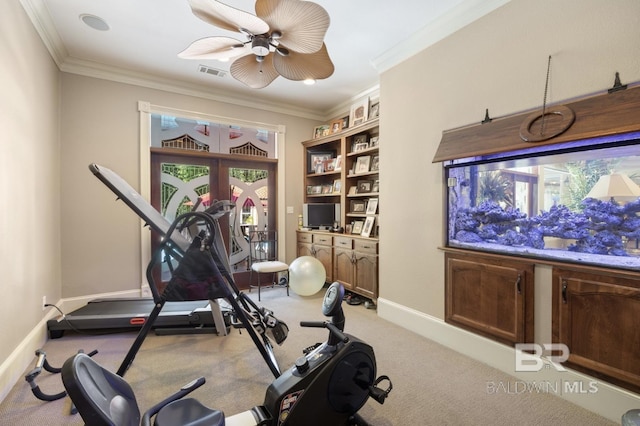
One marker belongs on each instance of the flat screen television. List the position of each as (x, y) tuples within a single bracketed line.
[(320, 215)]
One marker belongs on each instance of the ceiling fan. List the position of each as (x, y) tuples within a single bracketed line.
[(285, 38)]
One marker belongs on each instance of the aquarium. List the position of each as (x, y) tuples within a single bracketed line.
[(576, 202)]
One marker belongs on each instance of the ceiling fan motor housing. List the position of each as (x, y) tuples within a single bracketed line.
[(260, 46)]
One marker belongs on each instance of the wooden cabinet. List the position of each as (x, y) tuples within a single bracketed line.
[(365, 264), (343, 270), (320, 246), (596, 313), (350, 260), (490, 295), (356, 265)]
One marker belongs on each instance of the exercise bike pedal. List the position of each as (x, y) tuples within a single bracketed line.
[(377, 393)]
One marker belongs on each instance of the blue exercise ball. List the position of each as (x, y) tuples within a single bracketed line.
[(306, 275)]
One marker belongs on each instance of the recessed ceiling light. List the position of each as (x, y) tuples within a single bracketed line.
[(94, 22)]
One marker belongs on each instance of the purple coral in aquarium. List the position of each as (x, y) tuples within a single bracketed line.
[(561, 222), (468, 237)]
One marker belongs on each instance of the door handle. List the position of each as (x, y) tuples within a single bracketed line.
[(564, 291), (518, 288)]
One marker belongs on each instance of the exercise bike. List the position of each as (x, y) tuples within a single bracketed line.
[(326, 387)]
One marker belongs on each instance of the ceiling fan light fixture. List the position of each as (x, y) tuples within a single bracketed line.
[(309, 81), (260, 46)]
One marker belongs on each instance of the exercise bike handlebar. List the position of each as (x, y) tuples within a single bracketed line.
[(333, 330)]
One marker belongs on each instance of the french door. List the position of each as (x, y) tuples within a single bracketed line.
[(179, 179)]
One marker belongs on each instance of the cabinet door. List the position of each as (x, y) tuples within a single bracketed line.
[(343, 267), (366, 274), (304, 249), (596, 316), (325, 256), (493, 297)]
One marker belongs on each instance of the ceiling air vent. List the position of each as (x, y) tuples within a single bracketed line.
[(212, 71)]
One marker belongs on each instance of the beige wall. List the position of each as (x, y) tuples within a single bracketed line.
[(29, 182), (498, 62), (100, 123)]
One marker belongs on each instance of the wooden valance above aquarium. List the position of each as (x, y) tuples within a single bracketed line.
[(614, 112)]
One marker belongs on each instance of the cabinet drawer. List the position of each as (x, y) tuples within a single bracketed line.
[(323, 240), (365, 246), (344, 242), (304, 237)]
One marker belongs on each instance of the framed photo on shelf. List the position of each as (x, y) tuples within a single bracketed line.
[(320, 131), (345, 122), (316, 189), (327, 189), (330, 165), (336, 126), (353, 190), (373, 142), (375, 163), (315, 158), (364, 186), (338, 165), (376, 186), (357, 227), (359, 112), (372, 206), (374, 109), (357, 206), (368, 226), (359, 143), (337, 186), (362, 164), (360, 146)]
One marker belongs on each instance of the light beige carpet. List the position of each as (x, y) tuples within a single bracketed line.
[(432, 385)]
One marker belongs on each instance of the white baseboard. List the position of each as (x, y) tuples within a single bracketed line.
[(585, 391), (13, 368)]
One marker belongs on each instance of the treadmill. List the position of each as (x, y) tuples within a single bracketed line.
[(200, 280), (122, 314)]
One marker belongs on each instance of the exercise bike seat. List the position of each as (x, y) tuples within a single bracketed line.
[(104, 398)]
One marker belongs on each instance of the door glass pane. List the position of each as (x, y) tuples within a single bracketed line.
[(181, 185), (250, 192)]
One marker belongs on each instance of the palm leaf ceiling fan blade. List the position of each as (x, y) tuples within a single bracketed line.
[(220, 48), (253, 73), (302, 24), (300, 66), (227, 17)]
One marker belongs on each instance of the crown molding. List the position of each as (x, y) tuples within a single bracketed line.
[(107, 72), (41, 20), (459, 17)]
